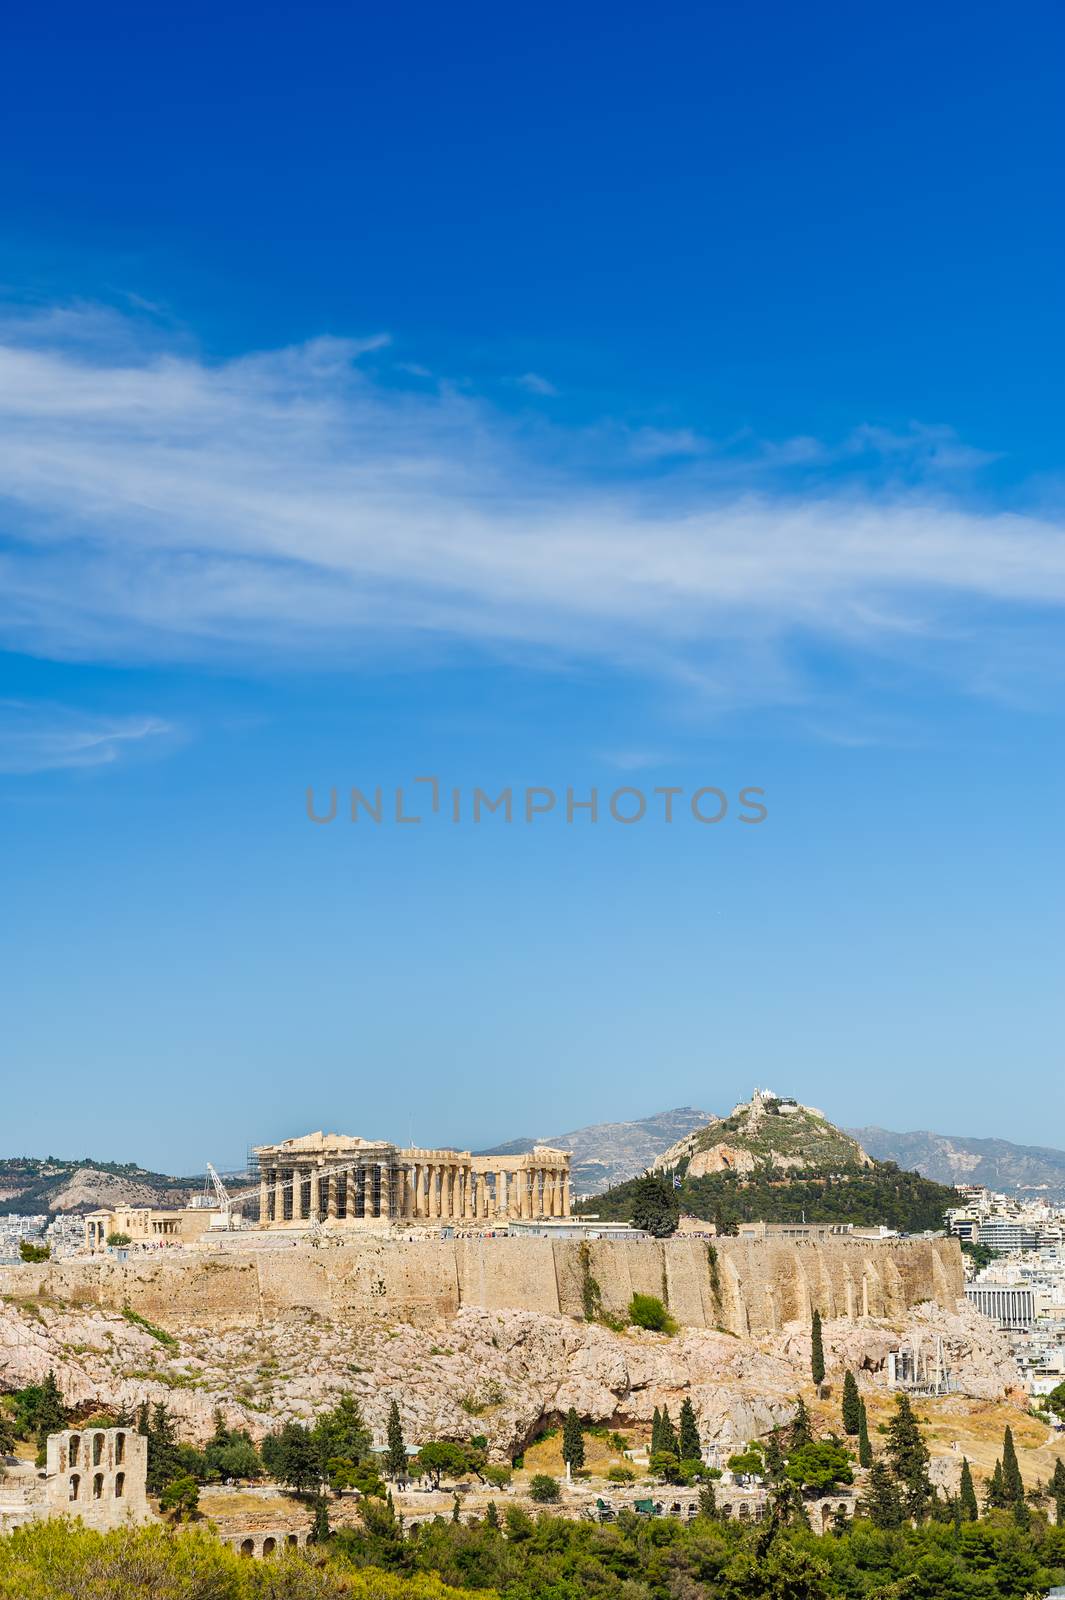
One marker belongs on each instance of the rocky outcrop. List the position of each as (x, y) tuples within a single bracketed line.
[(500, 1374)]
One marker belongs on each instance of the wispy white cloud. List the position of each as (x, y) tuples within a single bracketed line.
[(533, 383), (44, 737), (288, 503)]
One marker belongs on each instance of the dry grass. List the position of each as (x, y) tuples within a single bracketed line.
[(546, 1456)]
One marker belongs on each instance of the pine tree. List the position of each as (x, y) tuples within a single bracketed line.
[(491, 1515), (882, 1503), (1012, 1482), (908, 1455), (143, 1419), (707, 1501), (801, 1432), (456, 1507), (396, 1454), (865, 1449), (817, 1351), (967, 1494), (691, 1446), (852, 1404), (572, 1441), (667, 1433), (656, 1432)]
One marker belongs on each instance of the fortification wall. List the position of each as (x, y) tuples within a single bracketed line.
[(746, 1286)]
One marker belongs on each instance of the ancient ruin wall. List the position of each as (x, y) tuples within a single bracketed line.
[(748, 1287)]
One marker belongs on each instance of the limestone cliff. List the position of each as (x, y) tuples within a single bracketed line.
[(766, 1132)]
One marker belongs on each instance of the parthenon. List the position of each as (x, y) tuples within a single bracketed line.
[(347, 1182)]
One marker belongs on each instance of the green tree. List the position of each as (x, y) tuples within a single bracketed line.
[(655, 1207), (817, 1350), (119, 1239), (1057, 1491), (967, 1494), (708, 1501), (341, 1432), (882, 1503), (908, 1455), (1012, 1482), (396, 1455), (293, 1456), (995, 1497), (667, 1433), (689, 1444), (852, 1404), (180, 1498), (865, 1449), (164, 1455), (33, 1253), (442, 1459), (320, 1532), (1055, 1400), (544, 1489), (572, 1441), (801, 1431), (491, 1515), (656, 1431), (820, 1465)]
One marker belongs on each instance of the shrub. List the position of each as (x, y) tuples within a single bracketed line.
[(544, 1489), (647, 1311), (498, 1477), (181, 1497), (621, 1475), (33, 1252), (119, 1239)]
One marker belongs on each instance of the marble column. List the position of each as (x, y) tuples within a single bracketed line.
[(549, 1192), (264, 1204), (423, 1203), (279, 1197), (331, 1193), (316, 1203), (501, 1194), (565, 1194)]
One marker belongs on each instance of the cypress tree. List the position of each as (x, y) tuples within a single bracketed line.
[(865, 1449), (396, 1455), (967, 1494), (491, 1515), (995, 1499), (572, 1441), (852, 1404), (774, 1457), (691, 1446), (817, 1351), (320, 1530), (656, 1432), (50, 1412), (908, 1455), (1012, 1482), (1057, 1490), (800, 1425), (163, 1460), (667, 1433), (707, 1501)]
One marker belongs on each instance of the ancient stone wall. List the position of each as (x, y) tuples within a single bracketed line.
[(744, 1286)]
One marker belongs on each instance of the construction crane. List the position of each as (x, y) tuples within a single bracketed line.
[(222, 1195)]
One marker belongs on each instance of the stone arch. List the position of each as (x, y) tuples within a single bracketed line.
[(120, 1485), (269, 1545), (97, 1449), (247, 1547), (75, 1485), (98, 1486), (120, 1448), (75, 1443), (293, 1539)]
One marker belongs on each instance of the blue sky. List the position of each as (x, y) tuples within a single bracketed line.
[(567, 397)]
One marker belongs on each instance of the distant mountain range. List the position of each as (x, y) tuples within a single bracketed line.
[(610, 1152), (604, 1154), (951, 1158)]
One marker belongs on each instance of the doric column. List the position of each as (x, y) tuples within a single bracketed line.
[(501, 1193), (331, 1191), (408, 1191), (565, 1193), (549, 1192), (279, 1198), (316, 1203), (452, 1185), (423, 1203), (263, 1198)]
